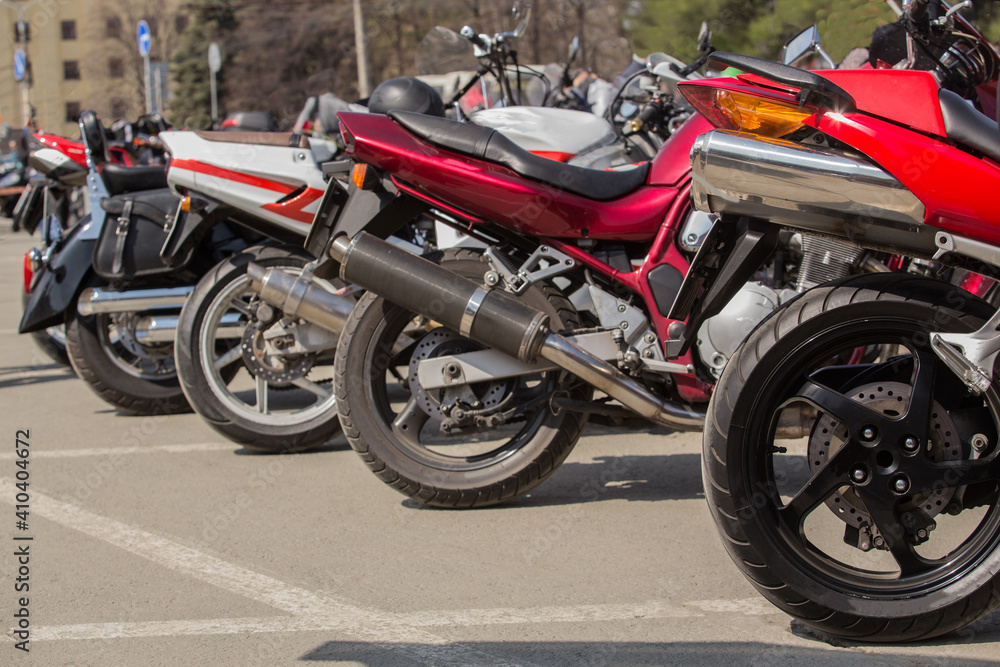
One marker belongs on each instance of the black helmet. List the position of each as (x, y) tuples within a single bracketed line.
[(408, 94)]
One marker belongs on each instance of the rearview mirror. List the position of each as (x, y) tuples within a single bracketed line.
[(574, 47), (804, 50), (704, 37)]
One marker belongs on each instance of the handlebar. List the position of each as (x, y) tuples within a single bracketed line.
[(475, 38)]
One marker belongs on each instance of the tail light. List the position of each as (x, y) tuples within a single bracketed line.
[(29, 268), (745, 112)]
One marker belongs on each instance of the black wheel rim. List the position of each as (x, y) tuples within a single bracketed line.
[(385, 354), (875, 469)]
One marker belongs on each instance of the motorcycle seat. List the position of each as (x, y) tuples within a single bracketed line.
[(485, 143), (286, 139), (119, 179), (968, 127)]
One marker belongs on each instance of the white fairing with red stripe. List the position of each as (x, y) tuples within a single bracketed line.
[(280, 184)]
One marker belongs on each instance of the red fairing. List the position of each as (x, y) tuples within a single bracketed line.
[(671, 166), (76, 151), (73, 149), (491, 191), (906, 96)]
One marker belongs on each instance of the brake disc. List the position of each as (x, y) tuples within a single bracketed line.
[(440, 342), (276, 369), (890, 398)]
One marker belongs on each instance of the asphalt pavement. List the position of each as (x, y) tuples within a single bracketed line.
[(154, 541)]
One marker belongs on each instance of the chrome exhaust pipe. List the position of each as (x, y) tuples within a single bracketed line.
[(809, 188), (163, 328), (492, 317), (94, 300), (299, 296)]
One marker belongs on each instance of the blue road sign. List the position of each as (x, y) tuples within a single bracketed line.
[(144, 38), (20, 64)]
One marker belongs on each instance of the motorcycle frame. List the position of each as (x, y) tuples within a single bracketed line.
[(481, 197)]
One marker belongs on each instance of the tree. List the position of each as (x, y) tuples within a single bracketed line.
[(211, 20), (118, 70), (757, 27)]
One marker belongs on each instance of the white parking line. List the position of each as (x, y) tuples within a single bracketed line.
[(362, 624), (654, 609), (309, 611), (119, 451)]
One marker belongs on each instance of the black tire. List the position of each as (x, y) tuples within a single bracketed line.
[(139, 382), (538, 440), (870, 471), (302, 420)]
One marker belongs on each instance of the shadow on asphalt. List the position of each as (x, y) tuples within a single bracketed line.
[(634, 478), (634, 654), (338, 444), (23, 376)]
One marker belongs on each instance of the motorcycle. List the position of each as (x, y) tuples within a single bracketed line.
[(119, 286), (880, 519), (55, 198), (465, 379), (232, 360), (285, 401)]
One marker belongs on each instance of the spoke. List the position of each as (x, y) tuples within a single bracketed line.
[(261, 395), (922, 394), (843, 407), (237, 304), (826, 480), (323, 391), (407, 424), (883, 514), (229, 357)]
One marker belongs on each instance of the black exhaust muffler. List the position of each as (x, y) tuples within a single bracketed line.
[(492, 317)]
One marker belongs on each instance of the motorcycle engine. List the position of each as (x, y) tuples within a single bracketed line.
[(822, 260), (721, 334)]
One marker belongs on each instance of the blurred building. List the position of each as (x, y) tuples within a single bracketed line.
[(83, 54)]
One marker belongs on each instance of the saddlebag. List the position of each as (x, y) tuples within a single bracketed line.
[(133, 234)]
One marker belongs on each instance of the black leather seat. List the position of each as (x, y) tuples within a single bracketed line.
[(119, 179), (967, 126), (485, 143)]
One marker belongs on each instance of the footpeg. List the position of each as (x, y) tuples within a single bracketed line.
[(974, 377)]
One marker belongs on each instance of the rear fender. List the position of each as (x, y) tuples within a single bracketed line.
[(56, 286)]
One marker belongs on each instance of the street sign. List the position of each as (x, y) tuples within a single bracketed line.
[(214, 57), (20, 64), (144, 38)]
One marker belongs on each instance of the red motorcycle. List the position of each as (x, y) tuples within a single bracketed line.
[(459, 396), (882, 523)]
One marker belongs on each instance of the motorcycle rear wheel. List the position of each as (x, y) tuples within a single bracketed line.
[(136, 379), (887, 463), (254, 413), (379, 398)]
